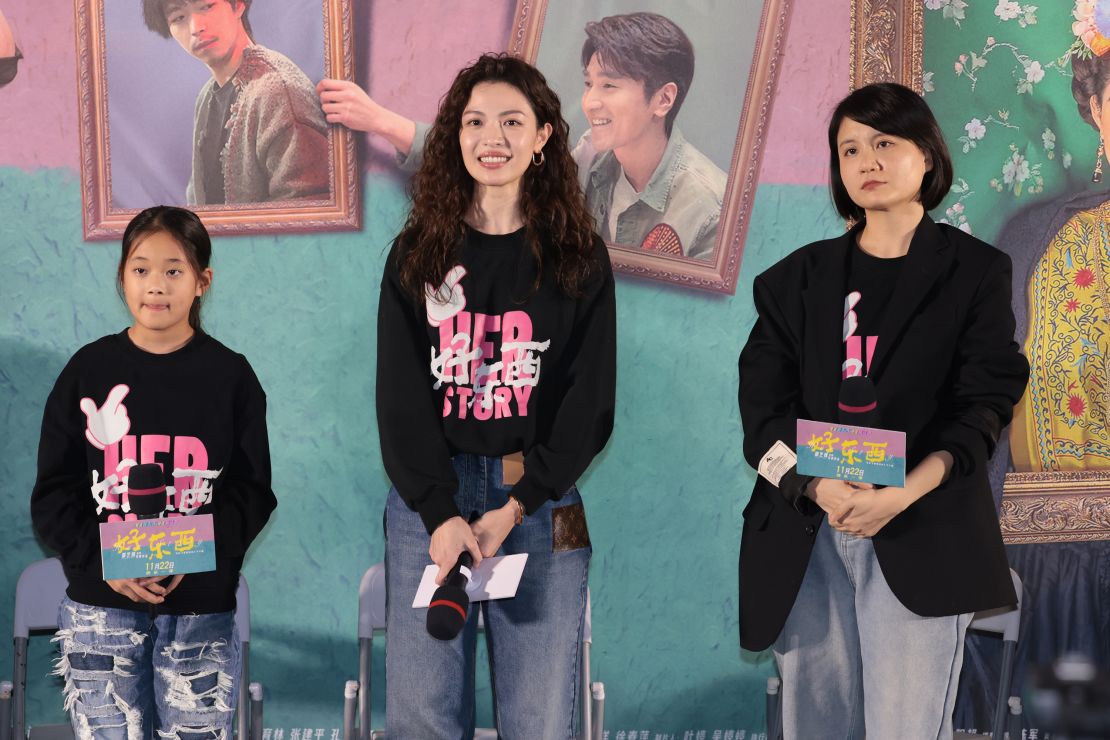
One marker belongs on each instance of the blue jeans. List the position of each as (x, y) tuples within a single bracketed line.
[(129, 675), (533, 638), (854, 660)]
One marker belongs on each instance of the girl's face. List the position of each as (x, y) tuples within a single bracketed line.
[(880, 172), (498, 135), (159, 286)]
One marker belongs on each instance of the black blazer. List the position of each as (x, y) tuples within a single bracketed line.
[(947, 372)]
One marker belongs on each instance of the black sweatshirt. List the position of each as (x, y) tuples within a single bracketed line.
[(492, 369), (199, 409)]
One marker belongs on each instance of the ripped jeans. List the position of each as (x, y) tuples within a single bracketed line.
[(129, 676)]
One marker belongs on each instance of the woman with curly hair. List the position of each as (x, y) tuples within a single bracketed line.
[(499, 279)]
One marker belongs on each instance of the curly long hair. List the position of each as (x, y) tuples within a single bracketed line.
[(558, 227)]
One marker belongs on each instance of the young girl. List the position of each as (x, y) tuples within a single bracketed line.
[(146, 655), (866, 593), (496, 374)]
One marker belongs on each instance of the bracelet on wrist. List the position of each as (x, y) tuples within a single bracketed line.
[(519, 510)]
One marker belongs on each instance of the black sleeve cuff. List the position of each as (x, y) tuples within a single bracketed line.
[(529, 494), (792, 486), (435, 510)]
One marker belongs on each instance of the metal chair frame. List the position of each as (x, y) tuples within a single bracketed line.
[(1006, 623)]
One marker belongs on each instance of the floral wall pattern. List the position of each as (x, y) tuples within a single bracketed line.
[(998, 76), (1028, 163)]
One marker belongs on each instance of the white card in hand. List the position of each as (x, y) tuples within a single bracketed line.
[(496, 578)]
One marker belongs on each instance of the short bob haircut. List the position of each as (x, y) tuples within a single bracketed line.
[(154, 15), (897, 111), (645, 47)]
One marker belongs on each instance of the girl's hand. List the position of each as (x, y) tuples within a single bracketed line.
[(494, 526), (867, 512), (831, 494), (154, 584), (448, 542), (136, 590)]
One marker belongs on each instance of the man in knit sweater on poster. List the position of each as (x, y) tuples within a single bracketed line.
[(259, 134)]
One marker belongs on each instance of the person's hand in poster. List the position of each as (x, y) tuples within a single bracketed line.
[(347, 104)]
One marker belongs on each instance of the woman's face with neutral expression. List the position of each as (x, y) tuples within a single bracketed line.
[(881, 172)]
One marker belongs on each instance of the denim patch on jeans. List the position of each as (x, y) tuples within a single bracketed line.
[(129, 675), (533, 638)]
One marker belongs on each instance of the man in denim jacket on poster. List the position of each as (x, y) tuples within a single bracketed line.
[(645, 184)]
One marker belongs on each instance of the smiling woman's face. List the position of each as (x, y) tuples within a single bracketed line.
[(498, 135)]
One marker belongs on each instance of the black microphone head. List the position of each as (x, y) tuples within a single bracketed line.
[(447, 612), (857, 404), (146, 490)]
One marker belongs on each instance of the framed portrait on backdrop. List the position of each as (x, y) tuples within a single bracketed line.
[(668, 105), (1014, 86), (211, 105)]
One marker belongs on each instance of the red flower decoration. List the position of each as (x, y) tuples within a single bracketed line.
[(1071, 306), (1084, 278), (1076, 405)]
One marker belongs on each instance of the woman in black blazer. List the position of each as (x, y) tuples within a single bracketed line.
[(866, 593)]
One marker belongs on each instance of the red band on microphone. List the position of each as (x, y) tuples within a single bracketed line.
[(453, 605), (857, 409), (145, 491)]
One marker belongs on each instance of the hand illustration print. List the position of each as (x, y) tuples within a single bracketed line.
[(109, 423), (440, 310)]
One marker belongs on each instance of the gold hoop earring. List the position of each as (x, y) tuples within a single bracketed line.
[(541, 160), (1097, 177)]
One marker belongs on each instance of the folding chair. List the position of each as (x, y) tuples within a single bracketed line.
[(371, 618), (38, 595)]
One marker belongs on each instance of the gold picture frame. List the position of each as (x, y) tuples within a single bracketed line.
[(105, 219), (719, 272)]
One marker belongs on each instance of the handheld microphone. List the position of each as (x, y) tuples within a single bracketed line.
[(146, 490), (857, 404), (448, 611)]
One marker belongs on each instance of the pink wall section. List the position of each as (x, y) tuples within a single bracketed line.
[(814, 79), (38, 111), (414, 55)]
